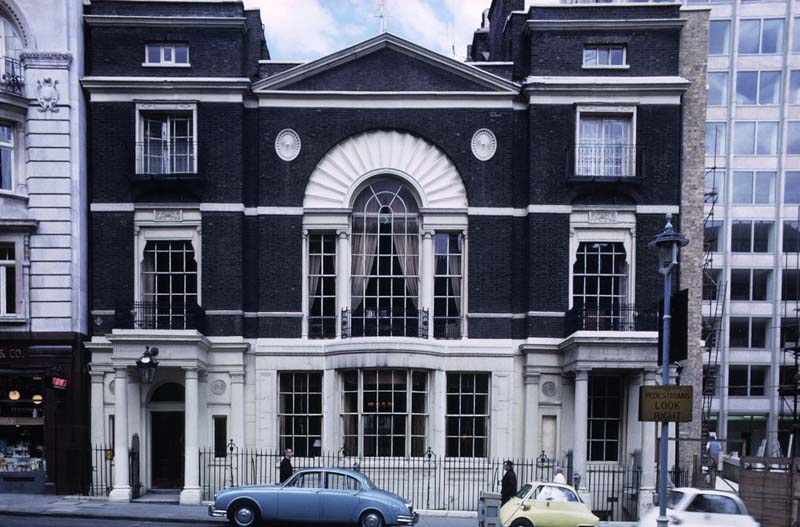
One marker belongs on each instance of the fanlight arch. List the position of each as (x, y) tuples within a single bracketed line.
[(340, 175)]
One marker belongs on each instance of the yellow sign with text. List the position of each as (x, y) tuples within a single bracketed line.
[(666, 403)]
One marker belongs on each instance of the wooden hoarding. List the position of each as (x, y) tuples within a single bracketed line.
[(666, 403)]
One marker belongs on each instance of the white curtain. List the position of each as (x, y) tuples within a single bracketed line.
[(406, 247), (454, 266), (364, 249), (314, 267)]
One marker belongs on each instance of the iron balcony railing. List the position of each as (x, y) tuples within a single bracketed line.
[(446, 327), (165, 158), (11, 79), (384, 323), (609, 317), (151, 315), (604, 162)]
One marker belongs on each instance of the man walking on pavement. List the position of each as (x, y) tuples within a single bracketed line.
[(508, 486), (286, 465)]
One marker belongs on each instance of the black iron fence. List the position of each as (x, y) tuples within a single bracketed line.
[(102, 471), (615, 491), (613, 317), (368, 322), (152, 315), (431, 482), (11, 79)]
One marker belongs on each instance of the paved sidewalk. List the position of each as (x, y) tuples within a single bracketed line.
[(100, 508)]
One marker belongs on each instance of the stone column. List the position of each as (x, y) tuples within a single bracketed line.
[(97, 405), (190, 495), (648, 482), (122, 488), (237, 409), (437, 388), (343, 255), (532, 419), (581, 426), (331, 437), (426, 278)]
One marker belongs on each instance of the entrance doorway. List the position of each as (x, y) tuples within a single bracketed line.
[(167, 437)]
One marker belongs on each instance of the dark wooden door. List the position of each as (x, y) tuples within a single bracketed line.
[(167, 449)]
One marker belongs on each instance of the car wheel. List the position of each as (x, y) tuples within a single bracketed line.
[(371, 519), (243, 514), (521, 522)]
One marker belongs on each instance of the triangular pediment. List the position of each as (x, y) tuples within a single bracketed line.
[(386, 63)]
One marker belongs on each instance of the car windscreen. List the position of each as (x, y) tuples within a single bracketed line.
[(673, 498), (524, 491)]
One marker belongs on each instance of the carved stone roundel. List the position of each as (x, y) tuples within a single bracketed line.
[(218, 387), (287, 144), (484, 144), (549, 389)]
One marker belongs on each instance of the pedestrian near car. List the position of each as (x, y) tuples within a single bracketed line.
[(286, 465), (508, 486), (559, 476)]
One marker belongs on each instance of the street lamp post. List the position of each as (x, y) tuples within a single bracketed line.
[(668, 242), (147, 365)]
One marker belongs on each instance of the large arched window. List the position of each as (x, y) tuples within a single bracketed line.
[(385, 262)]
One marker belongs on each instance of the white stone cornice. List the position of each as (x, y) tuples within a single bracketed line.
[(46, 59), (165, 21), (593, 24)]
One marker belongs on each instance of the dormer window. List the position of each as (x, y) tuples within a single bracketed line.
[(166, 55), (605, 56)]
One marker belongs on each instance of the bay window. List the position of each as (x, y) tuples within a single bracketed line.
[(384, 412)]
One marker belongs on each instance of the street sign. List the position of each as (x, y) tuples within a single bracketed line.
[(666, 403)]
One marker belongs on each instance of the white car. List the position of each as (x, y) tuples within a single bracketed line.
[(690, 507)]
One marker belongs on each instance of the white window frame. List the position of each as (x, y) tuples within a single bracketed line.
[(21, 278), (749, 385), (604, 225), (756, 126), (308, 415), (608, 47), (750, 284), (761, 21), (461, 415), (143, 109), (757, 97), (767, 334), (159, 224), (611, 111), (621, 421), (18, 186), (163, 62)]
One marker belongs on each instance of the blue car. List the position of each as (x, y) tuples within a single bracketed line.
[(320, 495)]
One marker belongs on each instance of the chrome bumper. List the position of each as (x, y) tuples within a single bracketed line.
[(216, 513), (408, 520)]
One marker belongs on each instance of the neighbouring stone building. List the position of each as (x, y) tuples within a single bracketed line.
[(44, 438), (385, 252)]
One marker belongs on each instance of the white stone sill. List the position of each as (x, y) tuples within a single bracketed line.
[(606, 67)]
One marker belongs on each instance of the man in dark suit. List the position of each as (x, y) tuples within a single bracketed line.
[(286, 465), (508, 487)]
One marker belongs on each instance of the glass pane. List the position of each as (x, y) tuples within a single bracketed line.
[(769, 87), (181, 55), (617, 57), (764, 188), (153, 54), (749, 36), (793, 138), (746, 86), (11, 289), (758, 337), (796, 35), (794, 84), (767, 138), (772, 36), (5, 169), (745, 138), (762, 236), (719, 37), (739, 332), (761, 284), (716, 139), (717, 88), (742, 187), (791, 188), (590, 57), (741, 237), (740, 284)]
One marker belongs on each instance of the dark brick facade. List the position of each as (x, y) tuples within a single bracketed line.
[(518, 262)]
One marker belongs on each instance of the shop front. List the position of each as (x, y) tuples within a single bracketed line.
[(43, 417)]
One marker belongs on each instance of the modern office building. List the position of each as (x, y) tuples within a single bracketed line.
[(753, 193), (386, 253)]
